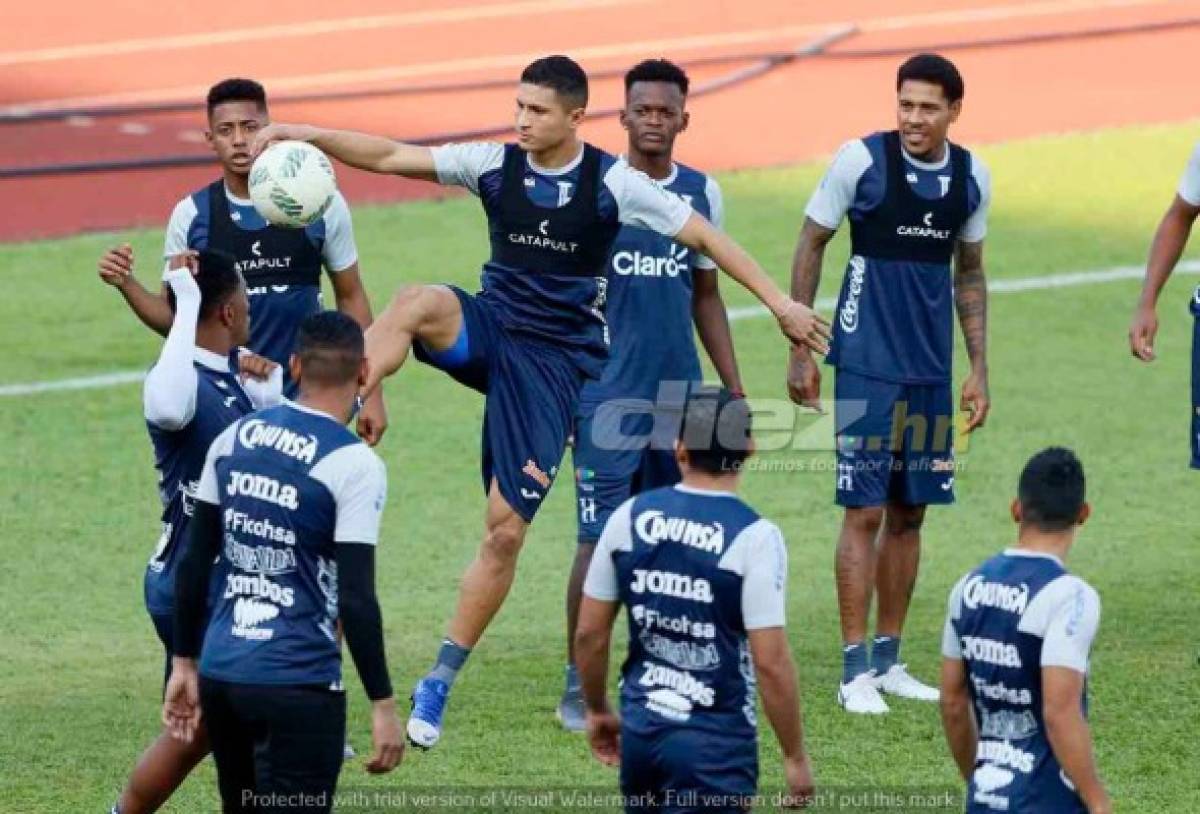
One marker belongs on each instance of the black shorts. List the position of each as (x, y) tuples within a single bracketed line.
[(277, 748)]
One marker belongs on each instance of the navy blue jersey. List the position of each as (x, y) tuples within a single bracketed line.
[(649, 308), (179, 458), (695, 570), (895, 309), (291, 484), (282, 266), (546, 279), (1014, 615)]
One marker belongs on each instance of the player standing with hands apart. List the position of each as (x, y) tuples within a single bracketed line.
[(916, 204)]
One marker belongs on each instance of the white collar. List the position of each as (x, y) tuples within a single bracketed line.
[(295, 405), (213, 361), (235, 199), (563, 170), (927, 165), (692, 490), (1022, 552), (666, 182)]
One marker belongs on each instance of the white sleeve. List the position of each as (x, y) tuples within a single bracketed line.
[(716, 214), (357, 479), (461, 165), (951, 644), (263, 394), (169, 392), (1189, 184), (340, 251), (601, 581), (1071, 629), (764, 583), (177, 227), (221, 446), (645, 203), (834, 196), (975, 229)]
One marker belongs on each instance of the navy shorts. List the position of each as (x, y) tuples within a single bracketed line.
[(616, 457), (679, 769), (531, 391), (895, 442)]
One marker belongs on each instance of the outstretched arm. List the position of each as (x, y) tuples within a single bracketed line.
[(970, 300), (1169, 243), (360, 150), (798, 322)]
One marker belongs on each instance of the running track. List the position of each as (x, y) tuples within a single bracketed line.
[(133, 52)]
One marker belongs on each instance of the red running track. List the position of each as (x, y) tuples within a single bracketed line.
[(131, 52)]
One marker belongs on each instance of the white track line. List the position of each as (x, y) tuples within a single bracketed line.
[(1050, 281), (310, 28), (496, 62)]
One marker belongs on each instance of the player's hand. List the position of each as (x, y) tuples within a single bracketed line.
[(189, 260), (804, 326), (604, 736), (386, 737), (804, 379), (181, 700), (251, 365), (1142, 332), (798, 772), (116, 265), (273, 133), (975, 400), (372, 418)]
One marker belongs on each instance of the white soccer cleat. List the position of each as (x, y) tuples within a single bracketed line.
[(861, 696), (897, 681)]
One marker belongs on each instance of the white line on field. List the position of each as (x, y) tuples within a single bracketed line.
[(1011, 286), (745, 312)]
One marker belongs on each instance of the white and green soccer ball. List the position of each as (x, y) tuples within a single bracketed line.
[(292, 184)]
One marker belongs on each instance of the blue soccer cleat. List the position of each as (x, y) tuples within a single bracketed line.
[(428, 705)]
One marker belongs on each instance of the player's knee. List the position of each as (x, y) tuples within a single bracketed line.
[(502, 544), (412, 300), (902, 519), (864, 520)]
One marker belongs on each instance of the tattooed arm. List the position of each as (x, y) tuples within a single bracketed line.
[(970, 300), (804, 374)]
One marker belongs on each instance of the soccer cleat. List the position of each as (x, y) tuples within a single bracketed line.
[(897, 681), (570, 712), (348, 751), (428, 705), (861, 696)]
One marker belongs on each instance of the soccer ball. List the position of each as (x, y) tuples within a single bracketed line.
[(292, 184)]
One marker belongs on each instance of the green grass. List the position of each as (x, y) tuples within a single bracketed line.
[(80, 672)]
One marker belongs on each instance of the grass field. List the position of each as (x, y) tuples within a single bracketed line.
[(80, 671)]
